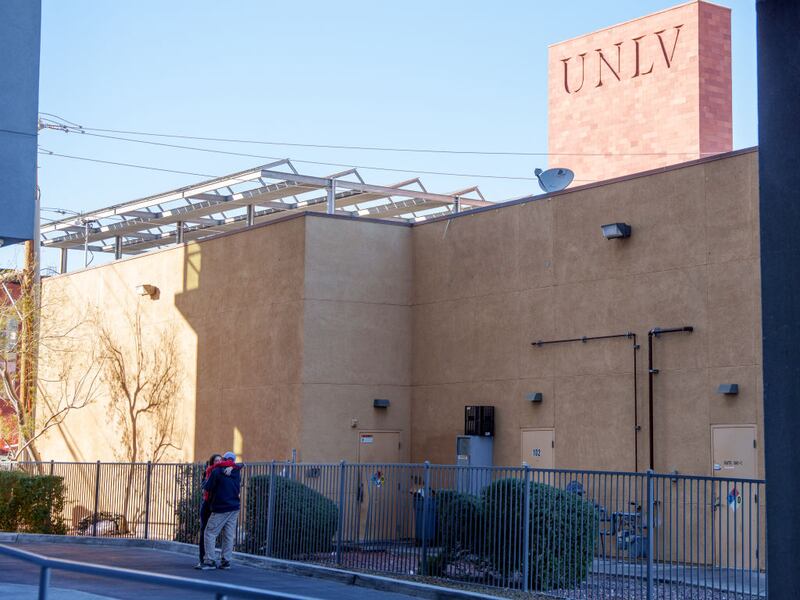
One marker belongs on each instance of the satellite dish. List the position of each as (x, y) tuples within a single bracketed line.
[(554, 180)]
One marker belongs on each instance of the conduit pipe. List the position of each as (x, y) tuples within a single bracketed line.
[(635, 346), (651, 371)]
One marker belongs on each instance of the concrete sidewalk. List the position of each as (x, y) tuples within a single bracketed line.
[(24, 576), (31, 592)]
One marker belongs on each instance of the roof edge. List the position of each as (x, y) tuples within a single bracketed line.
[(588, 186)]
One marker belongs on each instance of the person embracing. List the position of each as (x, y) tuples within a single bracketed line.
[(223, 486), (205, 506)]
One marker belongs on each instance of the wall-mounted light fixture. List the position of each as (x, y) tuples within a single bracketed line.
[(148, 290), (379, 403), (613, 231), (534, 397), (728, 389)]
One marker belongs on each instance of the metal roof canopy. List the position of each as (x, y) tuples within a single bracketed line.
[(243, 199)]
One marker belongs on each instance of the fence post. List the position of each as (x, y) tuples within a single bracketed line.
[(96, 498), (52, 466), (425, 502), (270, 508), (44, 583), (526, 535), (651, 503), (341, 514), (147, 501)]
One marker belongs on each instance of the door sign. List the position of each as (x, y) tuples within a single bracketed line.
[(378, 479), (734, 499)]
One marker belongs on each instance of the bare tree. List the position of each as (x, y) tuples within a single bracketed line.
[(66, 370), (143, 376), (143, 379)]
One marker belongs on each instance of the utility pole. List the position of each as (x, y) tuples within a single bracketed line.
[(28, 351), (28, 343)]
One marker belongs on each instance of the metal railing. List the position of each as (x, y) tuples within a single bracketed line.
[(573, 534), (221, 591)]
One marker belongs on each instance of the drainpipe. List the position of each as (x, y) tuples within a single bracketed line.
[(630, 335), (651, 371)]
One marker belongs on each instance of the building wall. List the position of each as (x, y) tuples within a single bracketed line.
[(357, 336), (287, 334), (647, 93), (289, 331), (493, 282), (235, 304)]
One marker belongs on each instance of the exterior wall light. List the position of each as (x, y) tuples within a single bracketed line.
[(613, 231), (728, 389), (148, 290), (378, 403), (534, 397)]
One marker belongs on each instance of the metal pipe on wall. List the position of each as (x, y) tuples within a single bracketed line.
[(635, 346), (656, 332)]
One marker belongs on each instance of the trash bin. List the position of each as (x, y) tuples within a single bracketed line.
[(424, 525)]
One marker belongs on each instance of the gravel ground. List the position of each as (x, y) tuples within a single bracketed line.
[(403, 564)]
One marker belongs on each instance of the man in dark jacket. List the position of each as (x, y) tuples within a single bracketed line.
[(223, 491)]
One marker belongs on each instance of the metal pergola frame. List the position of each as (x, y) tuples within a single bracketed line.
[(242, 200)]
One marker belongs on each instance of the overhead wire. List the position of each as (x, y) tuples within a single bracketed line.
[(381, 148), (45, 152), (314, 162)]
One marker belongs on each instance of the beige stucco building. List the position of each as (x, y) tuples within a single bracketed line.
[(289, 330)]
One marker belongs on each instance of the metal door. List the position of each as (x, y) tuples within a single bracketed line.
[(538, 448), (379, 486), (734, 455)]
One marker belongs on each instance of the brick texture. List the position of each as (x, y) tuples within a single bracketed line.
[(644, 94)]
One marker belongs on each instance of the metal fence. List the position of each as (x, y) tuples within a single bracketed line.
[(568, 533)]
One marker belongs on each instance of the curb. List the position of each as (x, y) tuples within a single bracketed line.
[(376, 582)]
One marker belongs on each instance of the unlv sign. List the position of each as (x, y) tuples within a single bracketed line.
[(609, 62)]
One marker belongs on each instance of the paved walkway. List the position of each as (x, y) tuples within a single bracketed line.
[(16, 576)]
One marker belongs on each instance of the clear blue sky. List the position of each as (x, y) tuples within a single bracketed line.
[(446, 74)]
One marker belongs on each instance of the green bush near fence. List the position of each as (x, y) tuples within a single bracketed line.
[(305, 520), (31, 503), (562, 533), (458, 520), (189, 482)]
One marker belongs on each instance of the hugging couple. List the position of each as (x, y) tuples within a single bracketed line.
[(219, 509)]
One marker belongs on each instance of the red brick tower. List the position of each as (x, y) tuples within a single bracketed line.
[(643, 94)]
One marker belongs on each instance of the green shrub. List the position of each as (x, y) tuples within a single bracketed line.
[(458, 520), (189, 483), (305, 520), (31, 503), (562, 533)]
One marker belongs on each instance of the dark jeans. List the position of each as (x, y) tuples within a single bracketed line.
[(205, 513)]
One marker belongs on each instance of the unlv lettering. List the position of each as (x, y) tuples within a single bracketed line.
[(604, 64)]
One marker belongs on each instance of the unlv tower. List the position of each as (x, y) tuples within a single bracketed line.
[(644, 94)]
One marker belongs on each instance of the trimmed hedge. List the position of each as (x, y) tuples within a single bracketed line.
[(31, 503), (305, 520), (458, 520), (562, 533)]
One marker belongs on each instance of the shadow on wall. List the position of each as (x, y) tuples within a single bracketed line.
[(234, 298)]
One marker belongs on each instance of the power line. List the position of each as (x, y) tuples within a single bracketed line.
[(312, 162), (13, 132), (384, 148), (122, 164)]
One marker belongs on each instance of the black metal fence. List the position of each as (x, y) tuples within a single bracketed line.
[(571, 534)]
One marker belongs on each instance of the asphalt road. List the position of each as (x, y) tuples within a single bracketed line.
[(15, 575)]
